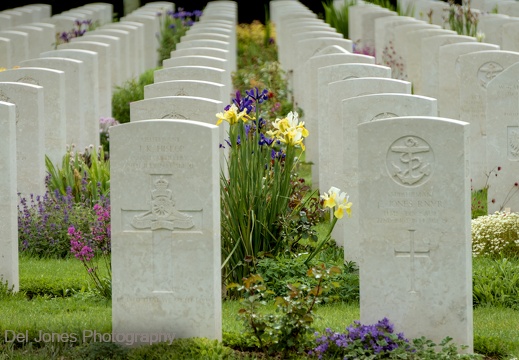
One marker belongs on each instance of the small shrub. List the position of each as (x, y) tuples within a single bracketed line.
[(43, 223), (461, 18), (101, 351), (496, 283), (491, 347), (104, 131), (378, 341), (80, 28), (359, 341), (190, 348), (338, 18), (85, 175), (289, 331), (6, 290), (280, 271), (94, 247), (52, 287), (175, 26), (131, 90), (496, 235)]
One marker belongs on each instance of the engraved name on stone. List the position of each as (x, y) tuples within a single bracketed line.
[(159, 153)]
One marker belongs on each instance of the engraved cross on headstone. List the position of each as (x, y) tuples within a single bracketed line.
[(163, 219), (412, 253)]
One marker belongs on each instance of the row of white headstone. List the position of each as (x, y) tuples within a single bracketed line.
[(406, 170), (34, 100), (166, 254), (473, 81)]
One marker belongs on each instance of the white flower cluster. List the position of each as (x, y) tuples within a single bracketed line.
[(496, 234)]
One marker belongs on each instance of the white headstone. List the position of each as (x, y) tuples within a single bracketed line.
[(476, 70), (91, 93), (431, 60), (5, 53), (166, 276), (30, 130), (19, 45), (9, 198), (503, 140), (137, 43), (49, 35), (416, 251), (384, 33), (492, 29), (354, 111), (198, 88), (509, 37), (310, 105), (104, 70), (151, 28), (203, 73), (75, 104), (116, 50), (449, 76), (325, 125), (35, 39), (397, 52), (54, 102), (125, 53), (413, 51)]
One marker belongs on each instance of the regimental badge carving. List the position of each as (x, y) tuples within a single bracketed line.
[(28, 80), (163, 214), (174, 116), (487, 72), (410, 161), (181, 92), (513, 143), (384, 115)]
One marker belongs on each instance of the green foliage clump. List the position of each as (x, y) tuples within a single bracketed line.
[(338, 18), (462, 19), (101, 351), (183, 349), (479, 203), (496, 235), (6, 291), (258, 66), (496, 283), (43, 223), (280, 271), (51, 287), (290, 330), (84, 175), (173, 27), (131, 90), (492, 347)]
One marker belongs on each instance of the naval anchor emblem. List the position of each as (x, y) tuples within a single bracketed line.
[(410, 161)]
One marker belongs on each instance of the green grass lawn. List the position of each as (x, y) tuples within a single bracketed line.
[(76, 309)]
